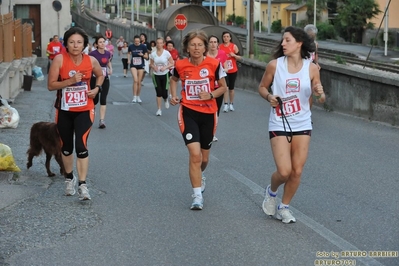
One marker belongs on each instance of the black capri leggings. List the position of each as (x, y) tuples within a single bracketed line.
[(78, 124), (102, 96), (231, 80), (161, 83), (124, 62)]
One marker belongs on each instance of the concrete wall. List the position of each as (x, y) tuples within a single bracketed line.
[(12, 76), (367, 93)]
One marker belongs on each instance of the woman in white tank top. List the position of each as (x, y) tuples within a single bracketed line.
[(292, 79)]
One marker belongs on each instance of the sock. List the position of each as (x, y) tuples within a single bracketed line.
[(231, 103), (271, 193), (82, 182), (226, 103), (197, 191), (69, 176), (283, 206)]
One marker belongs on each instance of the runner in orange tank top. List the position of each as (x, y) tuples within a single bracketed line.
[(232, 53), (69, 75), (197, 113)]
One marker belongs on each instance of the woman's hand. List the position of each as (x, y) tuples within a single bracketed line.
[(174, 100), (273, 100)]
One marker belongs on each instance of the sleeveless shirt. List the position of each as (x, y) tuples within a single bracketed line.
[(74, 98), (294, 91)]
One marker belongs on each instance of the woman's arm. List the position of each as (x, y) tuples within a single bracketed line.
[(317, 88), (266, 82)]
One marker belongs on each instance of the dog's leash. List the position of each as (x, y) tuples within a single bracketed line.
[(289, 137)]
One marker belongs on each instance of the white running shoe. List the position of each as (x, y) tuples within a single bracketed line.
[(214, 139), (166, 104), (226, 108), (231, 107), (269, 203), (134, 99), (139, 100), (159, 112), (83, 192), (203, 184), (198, 202), (70, 186), (285, 215)]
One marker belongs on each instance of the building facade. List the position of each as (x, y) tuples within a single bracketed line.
[(48, 18)]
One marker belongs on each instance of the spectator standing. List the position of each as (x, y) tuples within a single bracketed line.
[(232, 53), (160, 63), (311, 31), (98, 28), (124, 55), (104, 58), (70, 75), (137, 53), (197, 111)]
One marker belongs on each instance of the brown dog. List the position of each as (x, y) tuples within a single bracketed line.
[(44, 135)]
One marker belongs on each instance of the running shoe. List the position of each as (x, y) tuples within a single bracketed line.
[(226, 108), (285, 215), (203, 184), (214, 139), (231, 107), (159, 112), (83, 192), (134, 99), (269, 203), (198, 202), (166, 104), (139, 100), (70, 186), (101, 124)]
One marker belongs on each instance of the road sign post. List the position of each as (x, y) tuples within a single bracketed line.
[(181, 24)]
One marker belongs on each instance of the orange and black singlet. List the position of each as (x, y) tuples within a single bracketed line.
[(74, 98), (231, 61), (196, 79)]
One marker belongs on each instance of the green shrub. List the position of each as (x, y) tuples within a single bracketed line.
[(240, 20), (391, 38), (256, 26), (326, 31), (276, 26)]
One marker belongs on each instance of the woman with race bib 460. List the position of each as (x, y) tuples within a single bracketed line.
[(197, 114)]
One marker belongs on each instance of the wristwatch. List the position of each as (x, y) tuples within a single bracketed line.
[(211, 95), (99, 88)]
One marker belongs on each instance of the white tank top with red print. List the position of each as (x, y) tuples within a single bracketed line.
[(294, 91)]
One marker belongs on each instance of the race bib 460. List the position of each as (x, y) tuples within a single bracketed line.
[(194, 87)]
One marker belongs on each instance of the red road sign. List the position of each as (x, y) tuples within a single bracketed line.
[(180, 22)]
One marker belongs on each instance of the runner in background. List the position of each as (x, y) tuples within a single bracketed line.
[(160, 63), (311, 30), (104, 58), (137, 53), (124, 56), (232, 53), (220, 55)]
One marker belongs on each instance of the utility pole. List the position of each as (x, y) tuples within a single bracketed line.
[(251, 28), (269, 13)]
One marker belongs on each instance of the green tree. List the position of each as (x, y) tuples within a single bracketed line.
[(353, 16), (320, 6)]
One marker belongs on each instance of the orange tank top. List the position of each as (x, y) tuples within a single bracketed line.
[(195, 79), (74, 98), (231, 61)]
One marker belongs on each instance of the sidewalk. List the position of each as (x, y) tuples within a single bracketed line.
[(33, 106)]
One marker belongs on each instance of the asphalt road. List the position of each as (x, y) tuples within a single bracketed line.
[(138, 178)]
